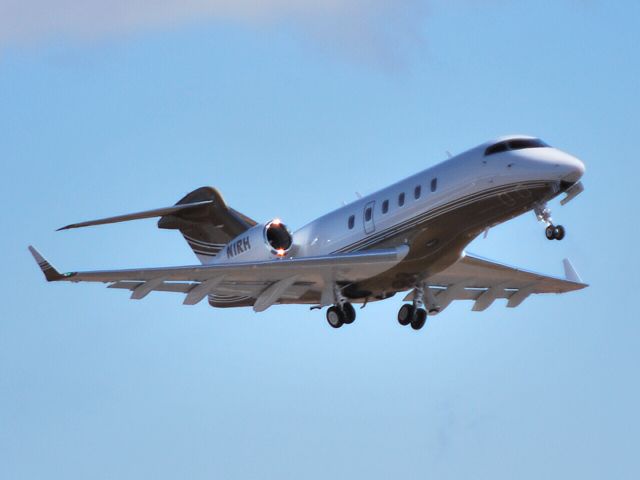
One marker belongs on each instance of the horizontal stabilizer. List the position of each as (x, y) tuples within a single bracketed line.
[(158, 212), (50, 273)]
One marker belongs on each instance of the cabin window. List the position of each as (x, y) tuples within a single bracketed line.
[(367, 214), (434, 184), (401, 199), (352, 221), (385, 206), (417, 191)]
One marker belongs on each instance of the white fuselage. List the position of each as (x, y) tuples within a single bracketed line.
[(462, 176), (397, 212)]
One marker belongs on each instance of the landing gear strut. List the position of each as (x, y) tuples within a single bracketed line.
[(552, 232), (414, 314), (342, 313)]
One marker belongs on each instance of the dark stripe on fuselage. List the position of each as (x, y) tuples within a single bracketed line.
[(202, 242), (198, 252), (435, 212)]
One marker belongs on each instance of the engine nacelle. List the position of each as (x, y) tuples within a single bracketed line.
[(261, 242)]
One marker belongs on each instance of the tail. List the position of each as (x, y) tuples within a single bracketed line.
[(202, 216), (209, 228)]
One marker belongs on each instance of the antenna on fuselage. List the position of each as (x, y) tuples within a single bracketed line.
[(448, 154)]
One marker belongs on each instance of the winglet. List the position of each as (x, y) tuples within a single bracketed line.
[(50, 273), (570, 272)]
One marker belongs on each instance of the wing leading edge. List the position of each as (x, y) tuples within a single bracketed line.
[(267, 281), (483, 281)]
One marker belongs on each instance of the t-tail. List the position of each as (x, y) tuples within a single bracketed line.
[(203, 218)]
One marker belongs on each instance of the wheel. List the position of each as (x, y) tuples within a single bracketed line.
[(335, 317), (559, 232), (349, 313), (420, 319), (405, 314), (550, 232)]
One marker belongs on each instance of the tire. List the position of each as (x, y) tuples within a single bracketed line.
[(405, 314), (349, 313), (335, 317), (550, 232), (420, 318), (559, 232)]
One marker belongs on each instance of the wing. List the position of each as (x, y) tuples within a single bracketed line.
[(265, 283), (484, 281)]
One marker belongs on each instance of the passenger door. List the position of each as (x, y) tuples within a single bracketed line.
[(369, 224)]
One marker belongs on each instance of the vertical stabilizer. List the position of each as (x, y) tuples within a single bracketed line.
[(209, 228)]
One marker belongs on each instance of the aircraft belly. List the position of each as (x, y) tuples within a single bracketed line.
[(438, 243)]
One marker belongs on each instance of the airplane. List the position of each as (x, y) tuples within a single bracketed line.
[(408, 237)]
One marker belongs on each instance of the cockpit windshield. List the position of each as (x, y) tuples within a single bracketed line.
[(515, 144)]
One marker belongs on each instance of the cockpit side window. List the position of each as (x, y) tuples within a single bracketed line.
[(497, 148), (521, 144), (515, 144)]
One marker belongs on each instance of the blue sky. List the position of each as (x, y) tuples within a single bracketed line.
[(289, 114)]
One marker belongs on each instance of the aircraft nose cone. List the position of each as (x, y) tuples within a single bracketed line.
[(573, 168), (554, 165)]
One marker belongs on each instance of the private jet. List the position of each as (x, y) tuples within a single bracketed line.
[(408, 237)]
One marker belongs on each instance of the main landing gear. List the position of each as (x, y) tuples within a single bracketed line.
[(552, 232), (414, 314), (410, 315), (342, 313), (339, 315)]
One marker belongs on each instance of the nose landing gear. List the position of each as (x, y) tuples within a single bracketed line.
[(552, 232)]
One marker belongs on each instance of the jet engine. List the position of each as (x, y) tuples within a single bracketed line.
[(261, 242)]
